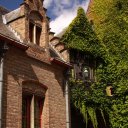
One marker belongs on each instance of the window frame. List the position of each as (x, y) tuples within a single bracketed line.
[(35, 31), (29, 112)]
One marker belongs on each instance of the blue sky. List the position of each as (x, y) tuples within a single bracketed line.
[(10, 5), (61, 12)]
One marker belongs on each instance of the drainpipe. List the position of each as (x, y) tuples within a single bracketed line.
[(1, 87), (3, 49), (68, 123)]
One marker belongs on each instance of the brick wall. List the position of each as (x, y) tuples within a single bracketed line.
[(19, 67), (19, 27), (38, 16)]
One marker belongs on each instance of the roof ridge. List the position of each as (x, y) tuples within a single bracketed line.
[(12, 15)]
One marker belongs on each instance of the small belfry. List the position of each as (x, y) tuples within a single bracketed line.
[(37, 23), (30, 22), (34, 68), (34, 3)]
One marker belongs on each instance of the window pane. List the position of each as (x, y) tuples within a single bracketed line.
[(26, 112), (31, 31), (38, 34), (38, 112)]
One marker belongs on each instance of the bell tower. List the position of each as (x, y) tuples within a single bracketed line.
[(36, 4), (37, 23), (30, 22)]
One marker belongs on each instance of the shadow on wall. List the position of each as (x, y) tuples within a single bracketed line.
[(18, 67)]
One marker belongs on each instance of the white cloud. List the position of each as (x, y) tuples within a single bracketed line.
[(61, 22), (47, 3), (65, 11)]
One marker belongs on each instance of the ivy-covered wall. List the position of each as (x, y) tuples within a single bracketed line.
[(80, 36), (111, 26), (107, 39)]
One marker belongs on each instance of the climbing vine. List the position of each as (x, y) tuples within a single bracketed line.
[(81, 36), (111, 27), (107, 39)]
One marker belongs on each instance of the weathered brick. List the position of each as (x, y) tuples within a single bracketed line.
[(34, 66)]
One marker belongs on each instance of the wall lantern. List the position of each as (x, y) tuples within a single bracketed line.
[(86, 72)]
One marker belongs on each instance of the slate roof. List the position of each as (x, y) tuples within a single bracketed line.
[(12, 15), (4, 29), (7, 32), (53, 52)]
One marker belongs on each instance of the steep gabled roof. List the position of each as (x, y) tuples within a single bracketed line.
[(2, 12), (12, 15), (5, 31)]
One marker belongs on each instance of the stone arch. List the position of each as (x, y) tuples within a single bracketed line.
[(35, 16), (34, 87), (33, 100)]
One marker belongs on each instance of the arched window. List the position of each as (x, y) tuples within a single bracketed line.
[(34, 33), (35, 27), (32, 104)]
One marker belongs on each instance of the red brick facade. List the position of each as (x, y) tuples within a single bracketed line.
[(18, 67), (30, 71)]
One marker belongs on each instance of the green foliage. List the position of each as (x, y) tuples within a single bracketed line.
[(88, 100), (80, 35), (108, 40), (113, 33)]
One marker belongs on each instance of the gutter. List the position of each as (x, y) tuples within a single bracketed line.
[(61, 62), (14, 42)]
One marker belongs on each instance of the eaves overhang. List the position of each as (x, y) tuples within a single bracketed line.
[(14, 42), (61, 63)]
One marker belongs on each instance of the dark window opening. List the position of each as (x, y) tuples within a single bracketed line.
[(26, 101), (29, 103), (82, 72), (38, 34), (31, 32), (34, 33)]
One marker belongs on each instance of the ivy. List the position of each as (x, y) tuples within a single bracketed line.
[(80, 36), (107, 39)]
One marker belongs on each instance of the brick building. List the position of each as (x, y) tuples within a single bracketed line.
[(32, 70)]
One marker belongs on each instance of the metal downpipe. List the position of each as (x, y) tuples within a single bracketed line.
[(1, 88), (67, 97), (3, 50)]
